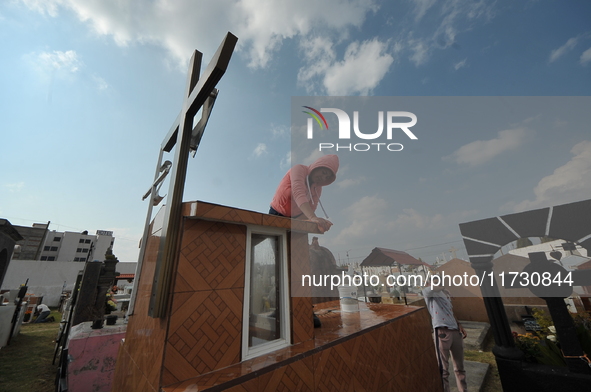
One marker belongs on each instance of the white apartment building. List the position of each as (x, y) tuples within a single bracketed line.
[(72, 246)]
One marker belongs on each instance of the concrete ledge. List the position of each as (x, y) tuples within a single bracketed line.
[(475, 374)]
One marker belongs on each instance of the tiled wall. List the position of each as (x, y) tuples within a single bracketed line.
[(205, 324), (139, 360), (301, 307)]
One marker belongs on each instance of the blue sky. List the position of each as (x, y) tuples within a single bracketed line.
[(91, 87)]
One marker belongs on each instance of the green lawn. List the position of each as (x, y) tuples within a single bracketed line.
[(25, 364)]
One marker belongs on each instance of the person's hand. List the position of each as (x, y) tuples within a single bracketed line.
[(463, 332), (323, 224)]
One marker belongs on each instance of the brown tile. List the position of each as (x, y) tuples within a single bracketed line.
[(248, 386), (228, 214), (299, 264), (212, 257), (276, 221), (184, 306), (206, 330), (302, 319), (332, 373), (298, 376), (123, 370)]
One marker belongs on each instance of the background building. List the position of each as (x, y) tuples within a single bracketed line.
[(41, 244), (30, 247)]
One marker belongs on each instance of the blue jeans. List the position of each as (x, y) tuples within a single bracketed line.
[(272, 211), (42, 318)]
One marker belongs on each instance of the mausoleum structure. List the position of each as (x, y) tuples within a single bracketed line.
[(231, 322)]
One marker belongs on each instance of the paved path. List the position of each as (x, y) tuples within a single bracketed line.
[(475, 371)]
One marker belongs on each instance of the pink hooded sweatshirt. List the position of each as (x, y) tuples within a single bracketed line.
[(292, 191)]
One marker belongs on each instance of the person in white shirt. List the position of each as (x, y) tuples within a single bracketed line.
[(448, 335), (43, 313)]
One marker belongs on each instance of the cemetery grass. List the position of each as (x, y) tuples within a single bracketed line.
[(25, 364)]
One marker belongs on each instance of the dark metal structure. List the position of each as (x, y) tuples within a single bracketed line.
[(483, 238)]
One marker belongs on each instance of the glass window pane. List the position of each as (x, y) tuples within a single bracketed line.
[(264, 323)]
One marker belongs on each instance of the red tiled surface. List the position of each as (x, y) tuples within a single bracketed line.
[(381, 348), (204, 333), (298, 376), (212, 256), (141, 353), (302, 322), (299, 264), (229, 214), (128, 377), (301, 304), (276, 221)]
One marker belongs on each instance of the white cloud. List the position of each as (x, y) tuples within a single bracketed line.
[(461, 64), (361, 70), (260, 149), (261, 26), (482, 151), (570, 182), (279, 130), (366, 217), (585, 57), (363, 66), (49, 7), (350, 182), (564, 49), (449, 18), (420, 51), (314, 155), (411, 219), (101, 84), (371, 221), (320, 55), (16, 187), (421, 7), (286, 161), (57, 60)]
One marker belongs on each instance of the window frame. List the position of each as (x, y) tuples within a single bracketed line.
[(284, 294)]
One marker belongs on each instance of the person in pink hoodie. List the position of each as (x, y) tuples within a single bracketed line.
[(298, 193)]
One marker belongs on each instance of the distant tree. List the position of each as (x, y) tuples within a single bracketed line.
[(523, 242)]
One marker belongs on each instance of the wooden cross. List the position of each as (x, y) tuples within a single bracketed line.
[(200, 94)]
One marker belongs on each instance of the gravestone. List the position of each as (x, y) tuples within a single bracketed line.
[(97, 278)]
